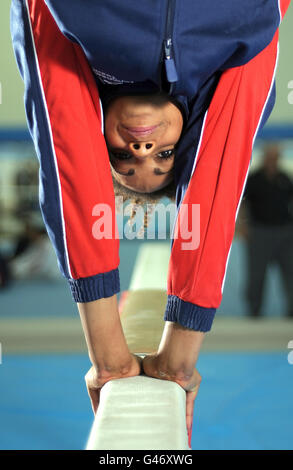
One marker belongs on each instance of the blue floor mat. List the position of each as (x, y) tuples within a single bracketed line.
[(44, 402), (244, 402)]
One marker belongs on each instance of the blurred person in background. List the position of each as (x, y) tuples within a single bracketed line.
[(4, 266), (267, 226), (27, 181), (4, 273), (33, 256)]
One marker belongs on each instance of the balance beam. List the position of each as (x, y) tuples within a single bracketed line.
[(142, 412)]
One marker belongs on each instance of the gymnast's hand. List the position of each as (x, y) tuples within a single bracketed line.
[(95, 379), (108, 350), (189, 381), (175, 360)]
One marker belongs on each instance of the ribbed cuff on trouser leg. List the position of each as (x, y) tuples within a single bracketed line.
[(95, 287), (189, 315)]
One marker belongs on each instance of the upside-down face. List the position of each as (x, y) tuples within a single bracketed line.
[(141, 133)]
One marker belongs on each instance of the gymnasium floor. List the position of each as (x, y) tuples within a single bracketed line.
[(245, 399)]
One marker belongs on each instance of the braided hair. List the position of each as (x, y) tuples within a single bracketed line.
[(145, 200)]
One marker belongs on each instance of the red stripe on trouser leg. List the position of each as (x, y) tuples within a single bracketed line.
[(234, 114), (72, 101), (284, 4)]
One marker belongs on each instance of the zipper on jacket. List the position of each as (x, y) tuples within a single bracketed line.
[(170, 67)]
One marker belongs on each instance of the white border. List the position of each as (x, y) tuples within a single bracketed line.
[(102, 117), (280, 12)]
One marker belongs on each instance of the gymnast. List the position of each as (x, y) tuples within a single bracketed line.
[(145, 99)]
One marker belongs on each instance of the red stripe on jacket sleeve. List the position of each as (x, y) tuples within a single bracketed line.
[(284, 4), (72, 100), (196, 275)]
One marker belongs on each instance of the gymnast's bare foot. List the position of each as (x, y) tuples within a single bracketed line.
[(95, 378)]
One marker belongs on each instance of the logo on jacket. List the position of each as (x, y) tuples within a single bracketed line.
[(108, 79)]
